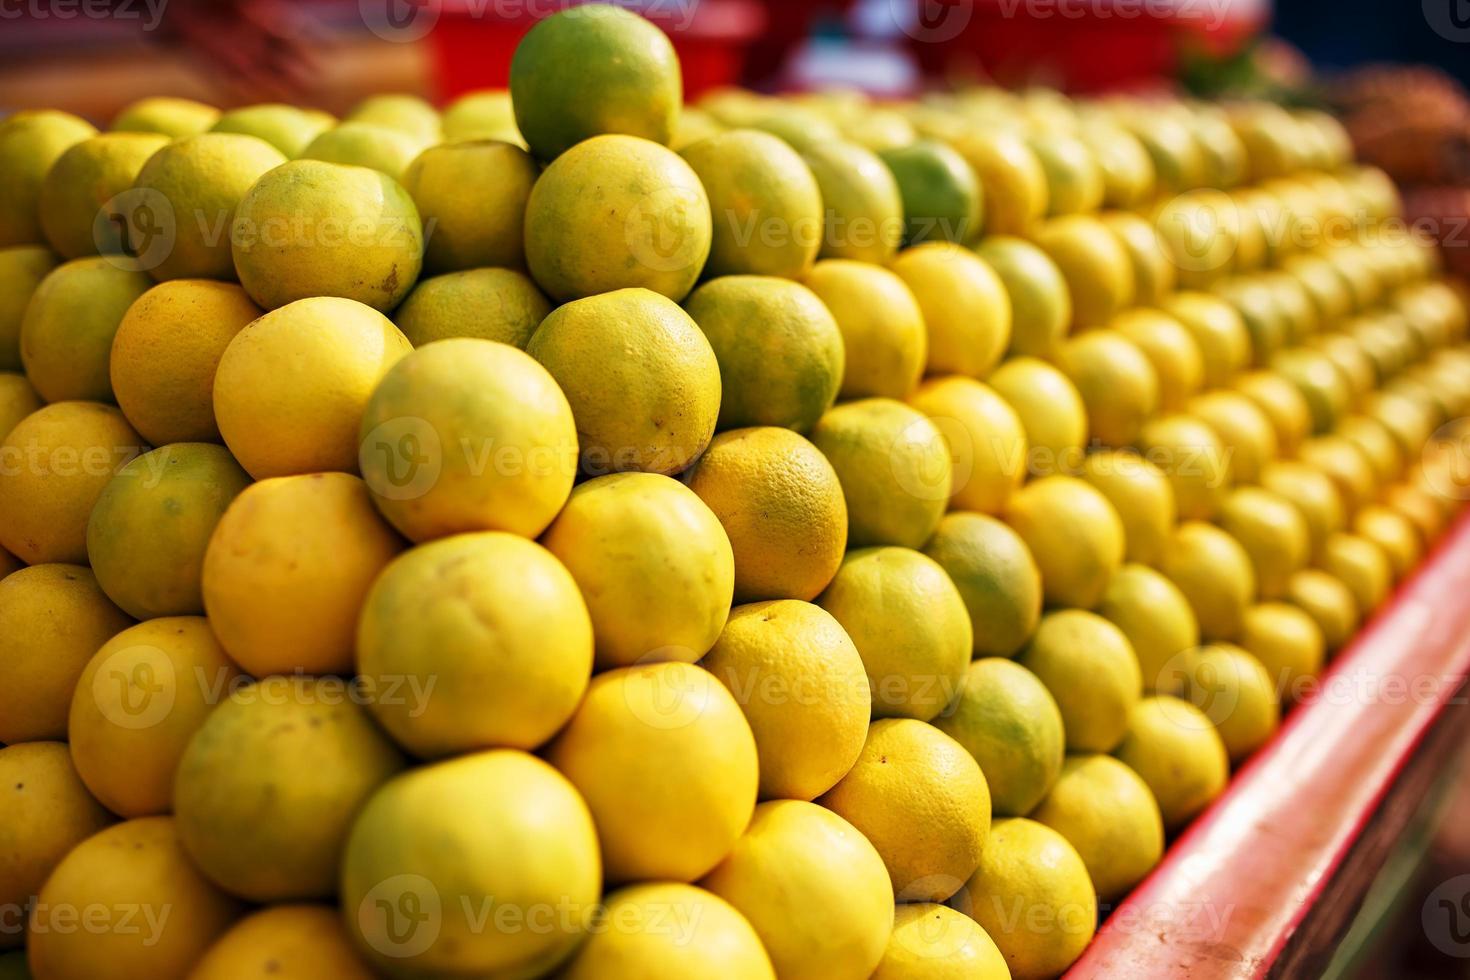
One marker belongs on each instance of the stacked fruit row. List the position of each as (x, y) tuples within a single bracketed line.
[(780, 537)]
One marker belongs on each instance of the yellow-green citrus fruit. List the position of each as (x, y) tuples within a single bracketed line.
[(1074, 180), (1030, 866), (1313, 493), (880, 129), (1418, 505), (780, 351), (309, 228), (17, 400), (1041, 307), (996, 577), (1321, 384), (291, 388), (287, 569), (48, 812), (1218, 331), (1051, 411), (1171, 348), (895, 470), (987, 442), (1155, 617), (1288, 643), (643, 943), (267, 788), (1074, 534), (1234, 691), (1362, 566), (1195, 460), (1094, 264), (285, 942), (813, 887), (766, 207), (921, 800), (801, 684), (1090, 669), (1345, 464), (1005, 717), (1273, 533), (285, 127), (626, 81), (861, 202), (1013, 181), (183, 203), (487, 304), (150, 526), (1283, 404), (1392, 532), (76, 199), (1377, 445), (166, 352), (942, 197), (30, 142), (471, 196), (67, 333), (468, 435), (137, 704), (1116, 381), (1143, 497), (964, 305), (1328, 601), (642, 380), (909, 624), (883, 334), (361, 144), (1153, 270), (137, 864), (488, 635), (667, 764), (22, 269), (781, 506), (1243, 429), (407, 114), (1108, 813), (616, 212), (522, 840), (631, 540), (1215, 574), (1175, 750), (934, 942), (53, 466)]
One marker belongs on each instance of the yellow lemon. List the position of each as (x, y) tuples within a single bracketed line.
[(363, 144), (22, 269), (963, 303), (1329, 602), (1313, 493), (941, 193), (1392, 532), (1362, 566), (667, 764), (1117, 383), (1128, 171), (1215, 574), (285, 127), (1377, 445), (996, 577), (1108, 813), (631, 540), (1095, 265), (402, 113), (78, 191), (1284, 405), (1014, 183), (1244, 430), (1419, 507), (1175, 750), (67, 333), (1195, 460), (1273, 533), (934, 942), (781, 506), (1153, 269), (1051, 411), (1321, 384), (1041, 306), (1288, 643), (909, 624), (1074, 534), (472, 196), (922, 801), (17, 400), (1091, 670), (1171, 348), (1074, 180), (1155, 617), (30, 143), (1143, 497), (862, 207), (1218, 331), (987, 443), (489, 304), (1345, 464), (288, 942), (814, 888), (1234, 691), (883, 332)]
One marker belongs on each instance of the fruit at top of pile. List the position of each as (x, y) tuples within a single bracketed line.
[(48, 811), (30, 142), (616, 212), (1116, 381), (183, 202), (360, 144), (716, 940), (779, 349), (1175, 750), (1218, 331), (1051, 411), (781, 506), (801, 684), (631, 540), (152, 522), (67, 332), (964, 306), (922, 801), (1287, 642), (1041, 307), (894, 467), (996, 577), (166, 353), (667, 764), (292, 942), (1141, 494), (883, 333), (1014, 186), (1234, 691), (76, 199), (1362, 566), (942, 197), (813, 887), (313, 229), (472, 198), (285, 127), (1196, 462), (862, 206), (17, 400), (936, 942), (60, 459), (1097, 270), (22, 269), (1273, 533), (1028, 865), (1215, 574), (487, 304), (522, 839), (1004, 716), (488, 634), (987, 443), (1155, 617), (136, 705), (401, 113), (1073, 533), (292, 386), (467, 435), (1090, 669), (287, 568), (136, 864), (1328, 601), (267, 788), (1110, 816), (642, 380), (626, 79)]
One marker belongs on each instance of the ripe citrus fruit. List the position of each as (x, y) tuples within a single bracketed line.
[(996, 577), (1171, 348), (937, 943), (1094, 264), (1392, 532), (1155, 617), (30, 142), (83, 182), (1218, 331), (1041, 307), (401, 113), (1283, 404), (472, 195), (1328, 601), (861, 203), (1215, 574), (488, 304), (1117, 383), (1090, 669), (1288, 643), (882, 326), (1175, 750), (291, 942), (22, 269), (1073, 533), (1243, 429), (941, 195), (1051, 411), (1074, 180), (1110, 816), (17, 400), (67, 332), (1321, 384), (1362, 566), (1313, 493), (362, 144), (964, 305), (285, 127), (1273, 533), (987, 443), (1141, 494), (1234, 691), (1195, 460), (1153, 270), (1013, 182)]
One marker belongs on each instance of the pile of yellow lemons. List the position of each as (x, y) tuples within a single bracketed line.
[(578, 533)]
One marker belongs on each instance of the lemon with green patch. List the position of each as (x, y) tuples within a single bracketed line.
[(1175, 750), (1090, 668)]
